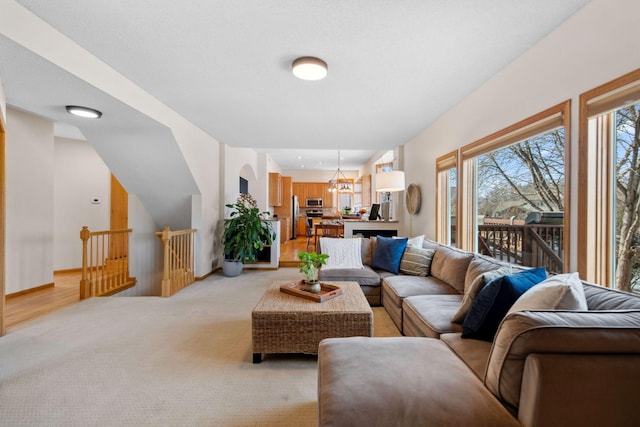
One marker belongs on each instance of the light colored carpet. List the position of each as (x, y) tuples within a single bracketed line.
[(179, 361)]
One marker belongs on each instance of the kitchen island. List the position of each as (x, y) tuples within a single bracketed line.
[(355, 228)]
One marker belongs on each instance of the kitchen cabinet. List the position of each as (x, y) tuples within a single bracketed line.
[(300, 191), (301, 227), (328, 196), (315, 190), (275, 189)]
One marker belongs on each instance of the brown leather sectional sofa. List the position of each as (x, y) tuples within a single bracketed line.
[(544, 368)]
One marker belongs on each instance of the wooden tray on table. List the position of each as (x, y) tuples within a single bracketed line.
[(326, 293)]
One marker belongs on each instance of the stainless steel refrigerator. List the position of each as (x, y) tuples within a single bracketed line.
[(295, 213)]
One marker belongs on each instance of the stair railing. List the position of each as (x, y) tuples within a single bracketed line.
[(105, 262), (179, 261)]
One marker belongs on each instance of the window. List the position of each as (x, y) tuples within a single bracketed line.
[(447, 198), (514, 191), (609, 214)]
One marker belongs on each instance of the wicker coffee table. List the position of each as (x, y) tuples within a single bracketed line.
[(284, 323)]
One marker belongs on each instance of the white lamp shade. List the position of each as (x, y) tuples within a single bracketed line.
[(390, 181), (309, 68)]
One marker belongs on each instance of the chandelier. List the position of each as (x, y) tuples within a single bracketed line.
[(339, 182)]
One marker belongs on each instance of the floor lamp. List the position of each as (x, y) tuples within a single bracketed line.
[(389, 182)]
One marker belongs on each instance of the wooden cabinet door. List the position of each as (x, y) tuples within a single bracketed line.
[(301, 227), (275, 189), (315, 189), (299, 190), (328, 196)]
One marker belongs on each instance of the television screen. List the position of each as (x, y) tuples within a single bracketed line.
[(373, 215)]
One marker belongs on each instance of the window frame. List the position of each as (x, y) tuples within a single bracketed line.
[(444, 164), (595, 171), (557, 116)]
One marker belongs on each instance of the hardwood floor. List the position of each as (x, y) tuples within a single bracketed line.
[(289, 251), (23, 308)]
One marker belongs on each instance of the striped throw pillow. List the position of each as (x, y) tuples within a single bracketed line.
[(416, 261)]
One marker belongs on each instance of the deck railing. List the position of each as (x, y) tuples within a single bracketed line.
[(532, 245), (179, 261), (105, 262)]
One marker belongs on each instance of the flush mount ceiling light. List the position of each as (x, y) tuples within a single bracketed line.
[(85, 112), (309, 68)]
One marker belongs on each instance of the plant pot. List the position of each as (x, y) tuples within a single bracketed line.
[(313, 286), (232, 268)]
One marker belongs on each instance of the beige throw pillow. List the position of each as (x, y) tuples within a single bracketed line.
[(474, 289), (559, 292), (416, 261)]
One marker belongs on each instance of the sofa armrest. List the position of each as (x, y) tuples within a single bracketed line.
[(555, 332), (579, 390)]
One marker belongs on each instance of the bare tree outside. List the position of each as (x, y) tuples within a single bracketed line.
[(520, 201), (523, 177), (627, 190)]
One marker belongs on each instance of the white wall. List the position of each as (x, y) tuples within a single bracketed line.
[(29, 201), (594, 46), (199, 149), (79, 177)]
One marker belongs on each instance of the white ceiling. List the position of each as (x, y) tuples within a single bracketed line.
[(394, 66)]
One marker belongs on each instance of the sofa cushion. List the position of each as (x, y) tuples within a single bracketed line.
[(364, 276), (343, 253), (559, 292), (475, 353), (472, 292), (388, 253), (401, 286), (416, 261), (401, 381), (450, 265), (367, 251), (480, 265), (495, 299), (601, 298), (431, 244), (429, 315), (413, 241)]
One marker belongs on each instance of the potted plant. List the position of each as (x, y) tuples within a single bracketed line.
[(310, 263), (245, 234)]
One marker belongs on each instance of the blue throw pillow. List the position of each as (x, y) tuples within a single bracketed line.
[(494, 301), (388, 253)]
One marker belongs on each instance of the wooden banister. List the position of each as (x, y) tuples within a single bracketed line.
[(105, 262), (179, 263)]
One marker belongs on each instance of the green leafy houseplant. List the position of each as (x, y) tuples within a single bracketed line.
[(245, 232), (310, 263)]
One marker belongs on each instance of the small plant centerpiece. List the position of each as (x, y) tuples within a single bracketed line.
[(310, 263), (245, 234)]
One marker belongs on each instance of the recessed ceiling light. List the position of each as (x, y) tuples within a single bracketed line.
[(85, 112), (299, 157), (309, 68)]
